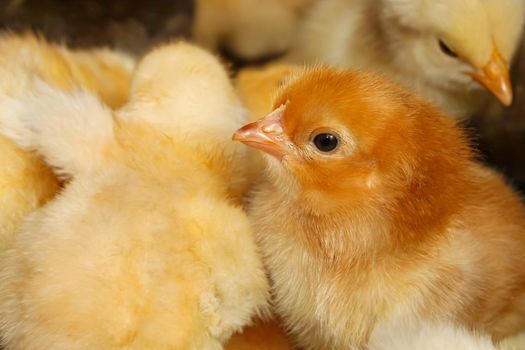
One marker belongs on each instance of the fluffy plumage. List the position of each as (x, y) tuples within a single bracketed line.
[(397, 221), (25, 182), (248, 28), (145, 248), (401, 39)]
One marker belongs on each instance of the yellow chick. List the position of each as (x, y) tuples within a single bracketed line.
[(144, 248), (25, 182), (247, 28), (446, 50)]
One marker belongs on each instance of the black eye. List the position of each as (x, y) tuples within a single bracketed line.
[(447, 50), (326, 142)]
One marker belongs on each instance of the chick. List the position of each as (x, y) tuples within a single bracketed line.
[(444, 49), (144, 248), (25, 182), (374, 209), (248, 28)]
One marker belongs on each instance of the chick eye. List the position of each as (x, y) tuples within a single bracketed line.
[(326, 142), (447, 50)]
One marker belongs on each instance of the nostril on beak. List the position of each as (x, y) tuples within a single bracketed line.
[(272, 129)]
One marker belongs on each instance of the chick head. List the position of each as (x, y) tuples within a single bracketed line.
[(463, 44), (184, 93), (183, 105), (352, 138), (185, 88)]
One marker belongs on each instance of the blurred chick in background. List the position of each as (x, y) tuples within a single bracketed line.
[(25, 182), (248, 28), (374, 210), (145, 248), (444, 49)]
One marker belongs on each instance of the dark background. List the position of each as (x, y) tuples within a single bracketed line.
[(135, 26)]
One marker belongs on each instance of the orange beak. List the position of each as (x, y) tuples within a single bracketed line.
[(494, 76), (266, 134)]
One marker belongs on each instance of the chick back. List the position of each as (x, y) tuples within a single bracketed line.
[(105, 266)]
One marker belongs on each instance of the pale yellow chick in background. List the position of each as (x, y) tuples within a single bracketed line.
[(444, 49), (25, 182), (145, 248), (247, 28)]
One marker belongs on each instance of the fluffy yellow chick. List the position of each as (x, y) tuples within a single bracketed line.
[(444, 49), (144, 248), (247, 28), (25, 182), (374, 210)]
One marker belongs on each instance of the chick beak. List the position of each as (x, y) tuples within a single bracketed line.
[(494, 76), (266, 134)]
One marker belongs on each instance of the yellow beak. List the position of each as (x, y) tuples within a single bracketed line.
[(494, 76)]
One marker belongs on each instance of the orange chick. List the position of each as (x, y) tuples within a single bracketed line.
[(374, 210)]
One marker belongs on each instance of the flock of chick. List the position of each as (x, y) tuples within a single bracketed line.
[(358, 217)]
